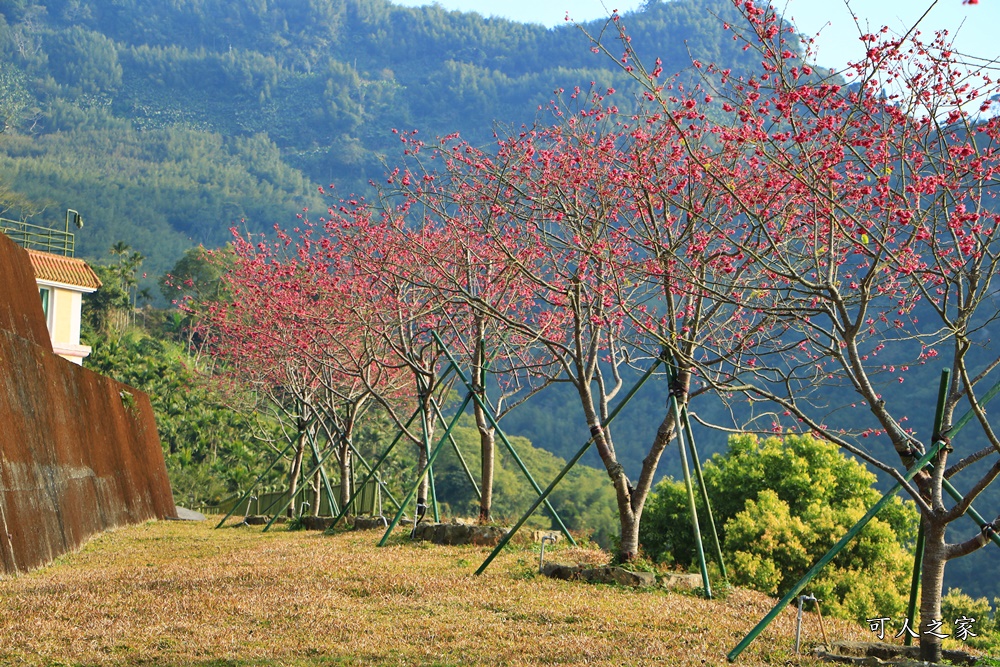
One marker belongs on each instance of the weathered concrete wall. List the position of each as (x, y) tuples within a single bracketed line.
[(79, 452), (20, 306)]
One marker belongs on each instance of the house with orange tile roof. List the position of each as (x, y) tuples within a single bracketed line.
[(62, 282)]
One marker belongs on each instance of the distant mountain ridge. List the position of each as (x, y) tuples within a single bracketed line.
[(168, 121)]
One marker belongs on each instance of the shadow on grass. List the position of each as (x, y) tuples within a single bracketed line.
[(315, 661)]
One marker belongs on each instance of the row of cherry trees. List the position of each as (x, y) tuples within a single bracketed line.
[(772, 235)]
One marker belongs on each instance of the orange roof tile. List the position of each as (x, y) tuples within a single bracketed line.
[(66, 270)]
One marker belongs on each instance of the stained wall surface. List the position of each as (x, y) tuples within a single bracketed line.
[(20, 306), (79, 452)]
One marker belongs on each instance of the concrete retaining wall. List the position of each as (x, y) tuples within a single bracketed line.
[(79, 452), (20, 306)]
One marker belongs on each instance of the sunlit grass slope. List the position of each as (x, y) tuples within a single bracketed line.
[(175, 593)]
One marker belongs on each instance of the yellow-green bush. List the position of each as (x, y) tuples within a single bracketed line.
[(780, 504)]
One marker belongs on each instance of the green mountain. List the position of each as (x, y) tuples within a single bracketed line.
[(166, 122)]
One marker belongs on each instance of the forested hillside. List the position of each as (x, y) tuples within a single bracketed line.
[(166, 123)]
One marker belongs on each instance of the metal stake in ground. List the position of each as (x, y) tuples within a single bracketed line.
[(543, 496), (253, 486), (430, 462), (503, 438), (374, 469), (692, 506)]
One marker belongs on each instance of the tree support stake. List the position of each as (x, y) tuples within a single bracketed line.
[(503, 438), (374, 469), (562, 473), (430, 462), (254, 485)]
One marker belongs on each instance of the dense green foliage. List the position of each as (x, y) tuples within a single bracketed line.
[(780, 504), (209, 449), (986, 627)]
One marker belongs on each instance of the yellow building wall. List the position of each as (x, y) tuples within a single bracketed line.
[(63, 315)]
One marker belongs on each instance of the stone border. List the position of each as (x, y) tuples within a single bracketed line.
[(882, 653), (621, 576), (459, 533)]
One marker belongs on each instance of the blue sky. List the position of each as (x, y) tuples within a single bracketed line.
[(975, 25)]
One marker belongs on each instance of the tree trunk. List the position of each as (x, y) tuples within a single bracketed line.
[(487, 434), (487, 448), (424, 452), (346, 473), (293, 475), (628, 547), (317, 492), (932, 580), (424, 486)]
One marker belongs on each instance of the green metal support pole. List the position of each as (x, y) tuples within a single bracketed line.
[(434, 496), (506, 442), (374, 469), (562, 473), (368, 467), (699, 475), (458, 452), (291, 496), (850, 535), (430, 462), (531, 480), (256, 482), (274, 503), (334, 510), (967, 417), (692, 506), (385, 489), (918, 556)]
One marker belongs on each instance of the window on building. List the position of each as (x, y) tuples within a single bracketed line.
[(46, 294)]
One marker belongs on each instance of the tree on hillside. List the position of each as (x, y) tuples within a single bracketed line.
[(547, 207), (387, 294), (859, 235), (582, 216), (253, 339), (479, 290), (194, 283)]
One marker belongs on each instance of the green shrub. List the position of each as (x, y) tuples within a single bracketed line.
[(780, 504), (983, 627)]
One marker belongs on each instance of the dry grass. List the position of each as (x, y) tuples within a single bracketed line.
[(183, 594)]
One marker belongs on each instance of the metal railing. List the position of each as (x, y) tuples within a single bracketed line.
[(36, 237), (368, 500)]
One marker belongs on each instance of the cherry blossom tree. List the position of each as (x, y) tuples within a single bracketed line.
[(478, 290), (854, 228), (284, 331)]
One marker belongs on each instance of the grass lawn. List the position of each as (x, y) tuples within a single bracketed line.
[(173, 593)]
